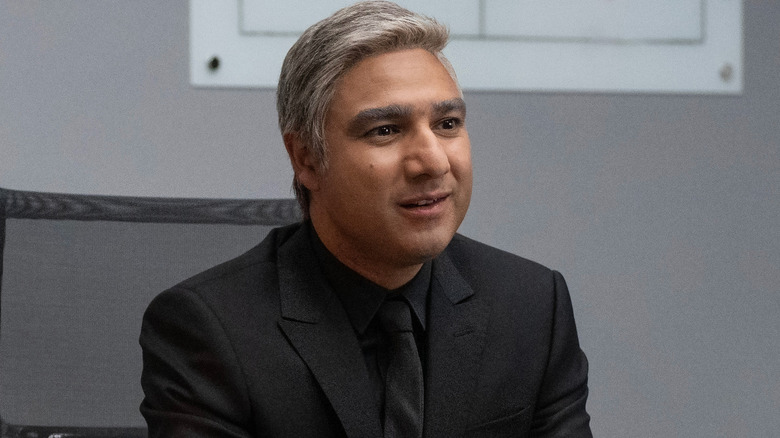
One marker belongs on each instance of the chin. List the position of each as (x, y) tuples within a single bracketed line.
[(429, 246)]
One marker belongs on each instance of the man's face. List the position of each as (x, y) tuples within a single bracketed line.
[(398, 181)]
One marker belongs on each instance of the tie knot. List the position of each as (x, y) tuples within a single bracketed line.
[(395, 316)]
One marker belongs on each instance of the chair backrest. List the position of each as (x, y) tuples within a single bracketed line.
[(76, 274)]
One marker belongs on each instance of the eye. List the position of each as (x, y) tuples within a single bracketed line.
[(451, 123), (383, 131)]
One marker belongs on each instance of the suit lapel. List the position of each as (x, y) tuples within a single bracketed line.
[(317, 326), (456, 336)]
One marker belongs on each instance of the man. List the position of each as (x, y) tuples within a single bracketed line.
[(372, 317)]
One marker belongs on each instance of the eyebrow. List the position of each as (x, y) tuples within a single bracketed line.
[(398, 112), (452, 105), (390, 112)]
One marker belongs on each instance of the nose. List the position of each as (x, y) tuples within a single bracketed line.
[(427, 155)]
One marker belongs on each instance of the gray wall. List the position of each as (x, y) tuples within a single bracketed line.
[(661, 211)]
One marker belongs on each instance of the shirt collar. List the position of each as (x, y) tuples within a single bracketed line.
[(361, 297)]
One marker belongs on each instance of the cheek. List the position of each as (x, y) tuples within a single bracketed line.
[(358, 180), (460, 162), (380, 170), (372, 172)]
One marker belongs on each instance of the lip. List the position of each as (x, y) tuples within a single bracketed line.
[(425, 205), (423, 199)]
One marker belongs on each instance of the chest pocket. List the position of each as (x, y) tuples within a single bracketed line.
[(514, 425)]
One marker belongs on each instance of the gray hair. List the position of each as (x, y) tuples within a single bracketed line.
[(328, 49)]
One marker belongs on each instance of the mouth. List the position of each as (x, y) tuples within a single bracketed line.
[(422, 203)]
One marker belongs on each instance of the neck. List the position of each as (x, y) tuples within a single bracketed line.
[(381, 272), (387, 278)]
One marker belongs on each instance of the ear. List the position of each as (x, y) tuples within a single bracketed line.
[(306, 168)]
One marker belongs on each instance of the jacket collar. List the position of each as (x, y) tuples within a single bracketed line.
[(318, 328), (456, 337)]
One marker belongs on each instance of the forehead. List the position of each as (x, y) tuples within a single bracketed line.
[(406, 77)]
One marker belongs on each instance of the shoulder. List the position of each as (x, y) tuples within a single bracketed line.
[(473, 258), (227, 307), (251, 277), (259, 260), (507, 279)]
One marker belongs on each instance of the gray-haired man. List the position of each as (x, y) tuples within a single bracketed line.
[(372, 317)]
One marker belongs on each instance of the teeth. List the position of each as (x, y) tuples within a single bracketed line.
[(426, 202)]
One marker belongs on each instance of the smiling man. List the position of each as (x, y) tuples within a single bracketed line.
[(372, 317)]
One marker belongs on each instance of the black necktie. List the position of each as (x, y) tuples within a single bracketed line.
[(404, 378)]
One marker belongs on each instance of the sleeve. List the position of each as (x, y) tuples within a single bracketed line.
[(560, 408), (192, 383)]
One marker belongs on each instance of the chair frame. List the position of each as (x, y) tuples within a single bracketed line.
[(16, 204)]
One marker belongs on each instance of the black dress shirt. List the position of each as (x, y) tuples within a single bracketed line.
[(362, 298)]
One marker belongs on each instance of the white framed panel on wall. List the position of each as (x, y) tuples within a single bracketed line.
[(630, 46)]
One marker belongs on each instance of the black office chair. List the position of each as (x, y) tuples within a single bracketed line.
[(76, 274)]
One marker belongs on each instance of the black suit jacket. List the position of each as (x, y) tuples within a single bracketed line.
[(260, 346)]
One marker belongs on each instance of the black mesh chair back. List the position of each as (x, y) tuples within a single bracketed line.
[(76, 274)]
